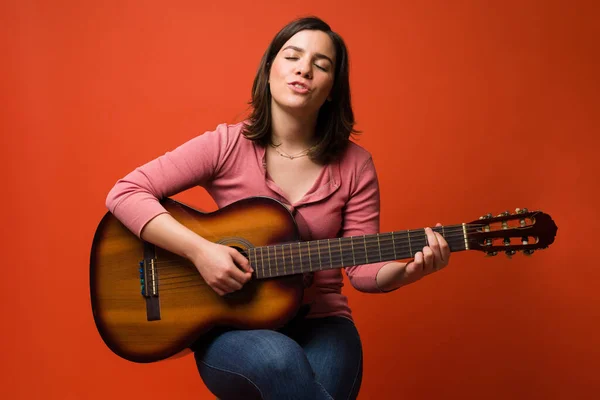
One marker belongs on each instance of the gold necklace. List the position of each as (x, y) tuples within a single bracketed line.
[(291, 157)]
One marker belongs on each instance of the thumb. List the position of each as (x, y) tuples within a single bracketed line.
[(240, 260)]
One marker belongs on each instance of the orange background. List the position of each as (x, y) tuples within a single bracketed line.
[(468, 107)]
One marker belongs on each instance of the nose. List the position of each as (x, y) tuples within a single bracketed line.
[(303, 68)]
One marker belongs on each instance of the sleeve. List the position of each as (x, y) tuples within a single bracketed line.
[(134, 199), (361, 217)]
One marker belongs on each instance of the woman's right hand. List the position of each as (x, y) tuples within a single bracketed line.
[(223, 268)]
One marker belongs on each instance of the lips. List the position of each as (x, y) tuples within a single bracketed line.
[(299, 87)]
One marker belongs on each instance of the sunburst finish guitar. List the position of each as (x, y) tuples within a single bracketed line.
[(150, 304)]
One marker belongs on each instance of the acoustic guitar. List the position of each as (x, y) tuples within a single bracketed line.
[(149, 304)]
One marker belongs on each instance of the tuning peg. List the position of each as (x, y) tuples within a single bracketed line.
[(491, 253), (522, 222), (504, 214), (528, 252), (510, 253), (486, 216)]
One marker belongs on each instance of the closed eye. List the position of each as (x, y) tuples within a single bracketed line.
[(316, 65)]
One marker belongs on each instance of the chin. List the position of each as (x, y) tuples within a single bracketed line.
[(296, 106)]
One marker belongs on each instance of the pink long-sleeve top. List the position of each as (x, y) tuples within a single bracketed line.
[(343, 201)]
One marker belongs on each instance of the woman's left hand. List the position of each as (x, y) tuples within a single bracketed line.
[(433, 257)]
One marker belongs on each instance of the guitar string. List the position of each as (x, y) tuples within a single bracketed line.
[(193, 284), (198, 280), (385, 247), (337, 259), (385, 243), (387, 250), (383, 237)]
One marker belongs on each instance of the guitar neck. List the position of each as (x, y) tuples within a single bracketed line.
[(317, 255)]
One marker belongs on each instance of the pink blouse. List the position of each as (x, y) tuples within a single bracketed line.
[(343, 201)]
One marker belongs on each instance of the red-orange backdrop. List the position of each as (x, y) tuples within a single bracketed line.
[(468, 107)]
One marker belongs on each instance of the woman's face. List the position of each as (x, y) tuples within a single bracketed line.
[(301, 75)]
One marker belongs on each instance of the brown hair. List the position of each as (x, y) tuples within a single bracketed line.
[(335, 122)]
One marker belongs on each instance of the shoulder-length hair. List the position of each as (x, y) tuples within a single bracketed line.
[(335, 122)]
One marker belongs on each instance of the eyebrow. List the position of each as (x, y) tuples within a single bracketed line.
[(318, 55)]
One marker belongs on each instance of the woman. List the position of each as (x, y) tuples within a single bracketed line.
[(294, 147)]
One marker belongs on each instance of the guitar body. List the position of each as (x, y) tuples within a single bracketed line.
[(188, 307)]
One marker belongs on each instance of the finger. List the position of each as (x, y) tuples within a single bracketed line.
[(218, 289), (237, 274), (432, 239), (444, 249), (241, 261), (233, 285), (226, 285), (416, 266), (427, 260)]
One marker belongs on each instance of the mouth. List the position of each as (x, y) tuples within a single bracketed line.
[(299, 87)]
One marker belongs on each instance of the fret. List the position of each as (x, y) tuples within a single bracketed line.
[(309, 258), (341, 253), (300, 252), (261, 266), (366, 251), (283, 256), (319, 251), (329, 245), (409, 244), (262, 260), (353, 256), (379, 246), (256, 266), (269, 257), (252, 264), (394, 246), (275, 256), (292, 258)]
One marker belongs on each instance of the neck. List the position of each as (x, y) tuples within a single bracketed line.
[(316, 255), (294, 133)]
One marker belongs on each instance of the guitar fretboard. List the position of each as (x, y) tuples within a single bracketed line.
[(317, 255)]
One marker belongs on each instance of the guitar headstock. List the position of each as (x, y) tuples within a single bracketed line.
[(522, 230)]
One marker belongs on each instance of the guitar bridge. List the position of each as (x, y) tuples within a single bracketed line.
[(149, 282)]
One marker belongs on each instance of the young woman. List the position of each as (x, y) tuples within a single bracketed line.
[(295, 148)]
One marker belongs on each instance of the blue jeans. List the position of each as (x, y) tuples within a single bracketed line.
[(310, 359)]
